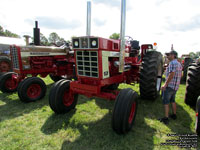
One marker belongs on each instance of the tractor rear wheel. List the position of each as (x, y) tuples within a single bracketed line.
[(197, 124), (5, 64), (192, 84), (31, 89), (125, 110), (151, 75), (61, 100), (7, 84), (187, 62)]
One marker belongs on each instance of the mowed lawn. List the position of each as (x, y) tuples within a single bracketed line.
[(34, 126)]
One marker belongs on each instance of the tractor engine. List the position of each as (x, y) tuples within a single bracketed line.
[(42, 60), (97, 61)]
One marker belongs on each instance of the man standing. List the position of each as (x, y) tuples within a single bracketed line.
[(171, 85)]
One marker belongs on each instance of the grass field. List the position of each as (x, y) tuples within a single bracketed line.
[(34, 126)]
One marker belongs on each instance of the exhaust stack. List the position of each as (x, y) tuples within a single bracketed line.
[(27, 39), (36, 34), (122, 35), (88, 30)]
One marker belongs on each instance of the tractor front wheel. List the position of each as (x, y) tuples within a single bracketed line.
[(125, 110), (151, 75), (31, 89), (61, 100), (197, 124), (7, 83)]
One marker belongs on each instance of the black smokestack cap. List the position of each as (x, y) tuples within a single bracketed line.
[(36, 34)]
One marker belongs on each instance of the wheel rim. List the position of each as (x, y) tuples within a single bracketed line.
[(34, 91), (4, 66), (10, 84), (132, 113), (67, 98)]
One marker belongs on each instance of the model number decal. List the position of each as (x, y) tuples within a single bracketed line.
[(39, 53)]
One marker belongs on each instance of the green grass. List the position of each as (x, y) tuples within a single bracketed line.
[(34, 126)]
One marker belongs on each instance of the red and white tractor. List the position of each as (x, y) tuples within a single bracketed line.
[(101, 65), (33, 60)]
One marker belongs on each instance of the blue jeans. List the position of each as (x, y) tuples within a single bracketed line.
[(168, 95)]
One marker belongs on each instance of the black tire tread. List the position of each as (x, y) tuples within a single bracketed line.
[(192, 84), (148, 75)]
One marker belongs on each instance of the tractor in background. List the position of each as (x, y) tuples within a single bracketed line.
[(185, 61), (101, 65), (192, 94), (32, 60), (5, 59)]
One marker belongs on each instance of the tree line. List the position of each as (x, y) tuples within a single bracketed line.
[(7, 33)]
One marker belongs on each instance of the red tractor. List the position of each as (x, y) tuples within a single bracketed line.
[(31, 61), (101, 65)]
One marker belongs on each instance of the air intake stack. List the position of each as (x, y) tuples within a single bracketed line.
[(88, 30), (36, 34), (122, 35)]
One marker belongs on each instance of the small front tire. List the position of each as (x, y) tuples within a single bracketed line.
[(125, 110), (61, 100)]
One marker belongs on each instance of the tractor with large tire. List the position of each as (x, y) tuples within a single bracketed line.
[(5, 59), (104, 63), (32, 60), (186, 61), (192, 94)]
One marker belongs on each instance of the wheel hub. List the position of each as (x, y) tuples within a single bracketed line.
[(67, 98), (10, 84), (132, 113), (34, 91)]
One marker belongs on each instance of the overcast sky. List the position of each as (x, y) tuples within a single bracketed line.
[(166, 22)]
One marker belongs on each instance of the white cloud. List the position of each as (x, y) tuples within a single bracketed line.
[(147, 21)]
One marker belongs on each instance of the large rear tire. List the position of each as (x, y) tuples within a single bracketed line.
[(61, 100), (125, 110), (197, 124), (151, 75), (7, 84), (31, 89), (192, 84), (187, 62), (5, 64)]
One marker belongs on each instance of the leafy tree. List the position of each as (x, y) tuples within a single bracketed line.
[(7, 33), (115, 36), (194, 55), (43, 40), (54, 38)]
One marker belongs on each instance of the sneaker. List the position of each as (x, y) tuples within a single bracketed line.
[(165, 120), (173, 116)]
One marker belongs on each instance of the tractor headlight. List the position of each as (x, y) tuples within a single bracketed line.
[(94, 42), (75, 43)]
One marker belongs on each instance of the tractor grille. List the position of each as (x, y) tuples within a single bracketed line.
[(15, 59), (87, 63)]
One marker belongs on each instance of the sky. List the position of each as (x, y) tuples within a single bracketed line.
[(165, 22)]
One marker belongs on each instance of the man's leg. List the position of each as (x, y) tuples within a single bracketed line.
[(174, 107), (166, 110), (166, 96), (172, 101)]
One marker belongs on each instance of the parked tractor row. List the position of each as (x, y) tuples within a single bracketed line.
[(99, 65)]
